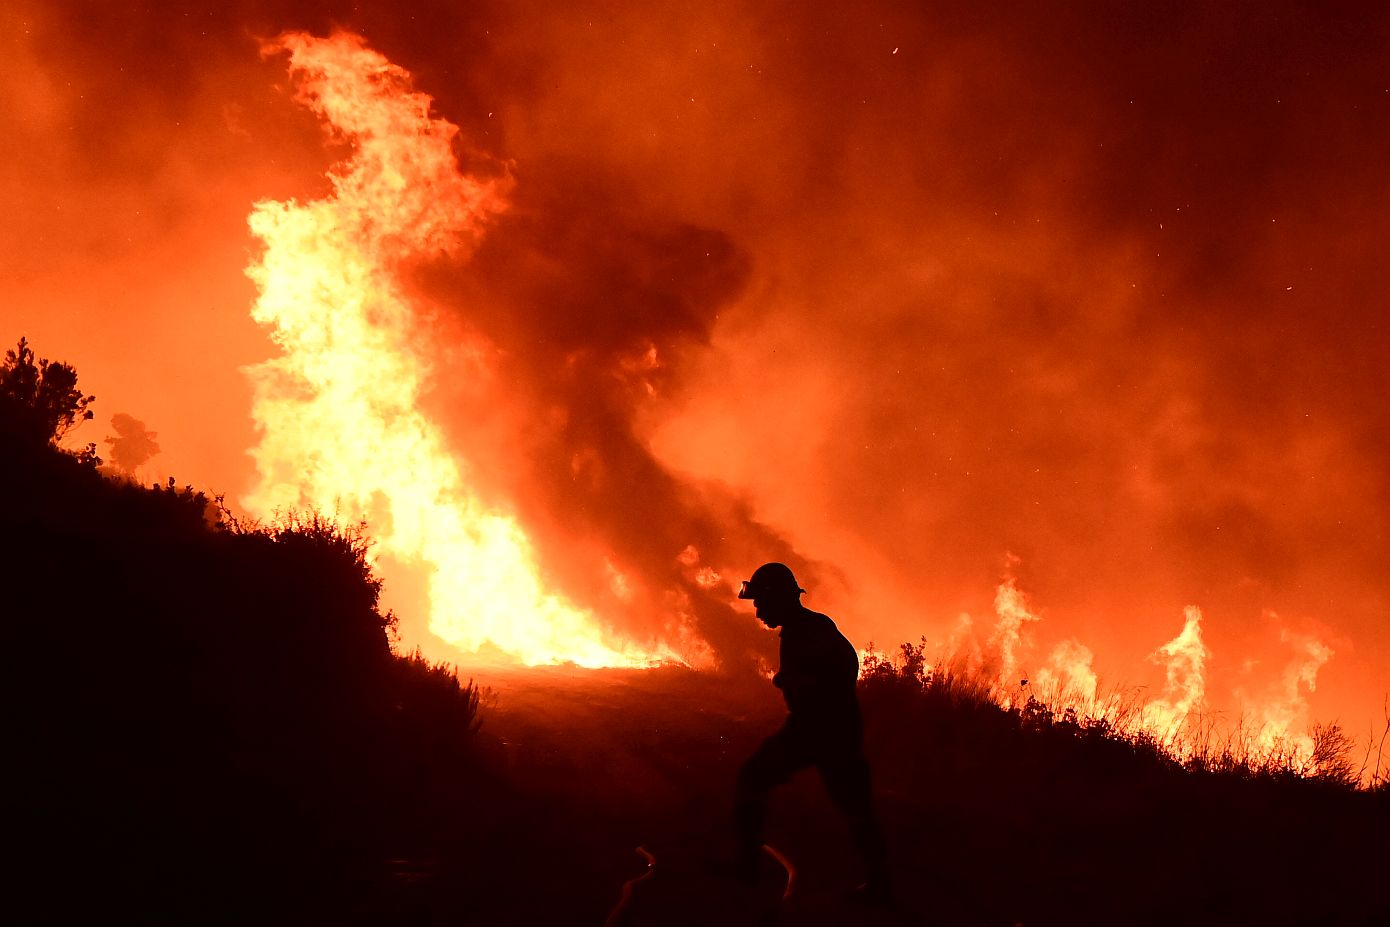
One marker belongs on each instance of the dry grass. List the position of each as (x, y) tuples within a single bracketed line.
[(1202, 742)]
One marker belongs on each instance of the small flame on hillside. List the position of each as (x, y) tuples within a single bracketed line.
[(1280, 715), (1014, 611), (1271, 724), (1184, 660)]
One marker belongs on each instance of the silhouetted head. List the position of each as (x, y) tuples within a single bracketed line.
[(774, 592)]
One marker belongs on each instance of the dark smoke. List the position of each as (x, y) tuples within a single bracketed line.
[(133, 445), (592, 309)]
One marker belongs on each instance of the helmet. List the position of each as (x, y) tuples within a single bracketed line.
[(770, 579)]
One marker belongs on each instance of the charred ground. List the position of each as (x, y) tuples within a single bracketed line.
[(211, 726)]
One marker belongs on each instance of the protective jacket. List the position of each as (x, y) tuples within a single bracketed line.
[(819, 669)]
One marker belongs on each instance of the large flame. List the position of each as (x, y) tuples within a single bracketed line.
[(338, 411)]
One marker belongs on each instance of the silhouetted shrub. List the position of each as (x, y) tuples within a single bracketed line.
[(39, 400)]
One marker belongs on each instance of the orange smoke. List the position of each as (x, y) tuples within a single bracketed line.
[(897, 287), (338, 410)]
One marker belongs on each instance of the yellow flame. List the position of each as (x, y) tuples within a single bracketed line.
[(1270, 728), (1279, 717), (1013, 610), (1184, 661), (338, 410), (1068, 676)]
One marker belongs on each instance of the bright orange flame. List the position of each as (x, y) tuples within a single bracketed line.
[(1068, 680), (1270, 729), (1271, 725), (1068, 675), (1013, 610), (338, 411), (1280, 714), (1184, 661)]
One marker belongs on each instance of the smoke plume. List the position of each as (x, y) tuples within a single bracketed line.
[(133, 445)]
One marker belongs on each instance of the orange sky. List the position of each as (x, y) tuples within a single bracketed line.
[(1099, 289)]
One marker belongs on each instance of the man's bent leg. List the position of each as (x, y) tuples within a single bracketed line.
[(771, 765), (846, 776)]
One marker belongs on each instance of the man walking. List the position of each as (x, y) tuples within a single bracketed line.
[(818, 672)]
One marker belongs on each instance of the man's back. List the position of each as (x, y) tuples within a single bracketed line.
[(819, 668)]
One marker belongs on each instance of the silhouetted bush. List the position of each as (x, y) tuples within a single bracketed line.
[(40, 402)]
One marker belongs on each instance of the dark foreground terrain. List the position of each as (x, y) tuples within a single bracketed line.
[(993, 818), (207, 724)]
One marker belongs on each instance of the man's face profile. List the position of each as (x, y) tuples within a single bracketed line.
[(771, 609)]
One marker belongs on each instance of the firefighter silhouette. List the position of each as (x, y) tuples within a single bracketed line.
[(818, 671)]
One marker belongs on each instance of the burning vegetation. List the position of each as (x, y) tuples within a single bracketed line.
[(356, 367), (883, 293), (890, 295), (1178, 719), (232, 736), (356, 371), (353, 367)]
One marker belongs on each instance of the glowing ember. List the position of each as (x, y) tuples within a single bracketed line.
[(340, 425)]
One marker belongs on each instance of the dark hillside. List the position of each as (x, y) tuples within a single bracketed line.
[(208, 725), (209, 721)]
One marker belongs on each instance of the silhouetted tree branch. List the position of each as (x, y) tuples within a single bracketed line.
[(40, 402)]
